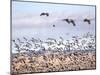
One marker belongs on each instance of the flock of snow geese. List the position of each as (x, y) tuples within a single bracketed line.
[(69, 21), (86, 42)]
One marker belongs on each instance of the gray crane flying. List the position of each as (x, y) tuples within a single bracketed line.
[(46, 14), (70, 21), (87, 20)]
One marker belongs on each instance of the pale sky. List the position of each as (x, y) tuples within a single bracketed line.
[(27, 22)]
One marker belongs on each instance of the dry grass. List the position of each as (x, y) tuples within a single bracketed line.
[(49, 62)]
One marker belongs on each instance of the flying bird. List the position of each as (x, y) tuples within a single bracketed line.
[(70, 21), (46, 14), (87, 20), (53, 25)]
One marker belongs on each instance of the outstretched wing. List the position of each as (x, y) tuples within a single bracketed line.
[(42, 14), (73, 22), (87, 20), (67, 20), (47, 14)]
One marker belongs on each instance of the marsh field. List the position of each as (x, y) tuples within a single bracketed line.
[(55, 61)]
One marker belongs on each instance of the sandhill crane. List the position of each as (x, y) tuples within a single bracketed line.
[(87, 20), (46, 14), (70, 21)]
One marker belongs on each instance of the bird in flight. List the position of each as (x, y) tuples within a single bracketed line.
[(70, 21), (46, 14), (87, 20), (53, 25)]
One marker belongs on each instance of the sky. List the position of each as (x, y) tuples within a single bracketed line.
[(27, 22)]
